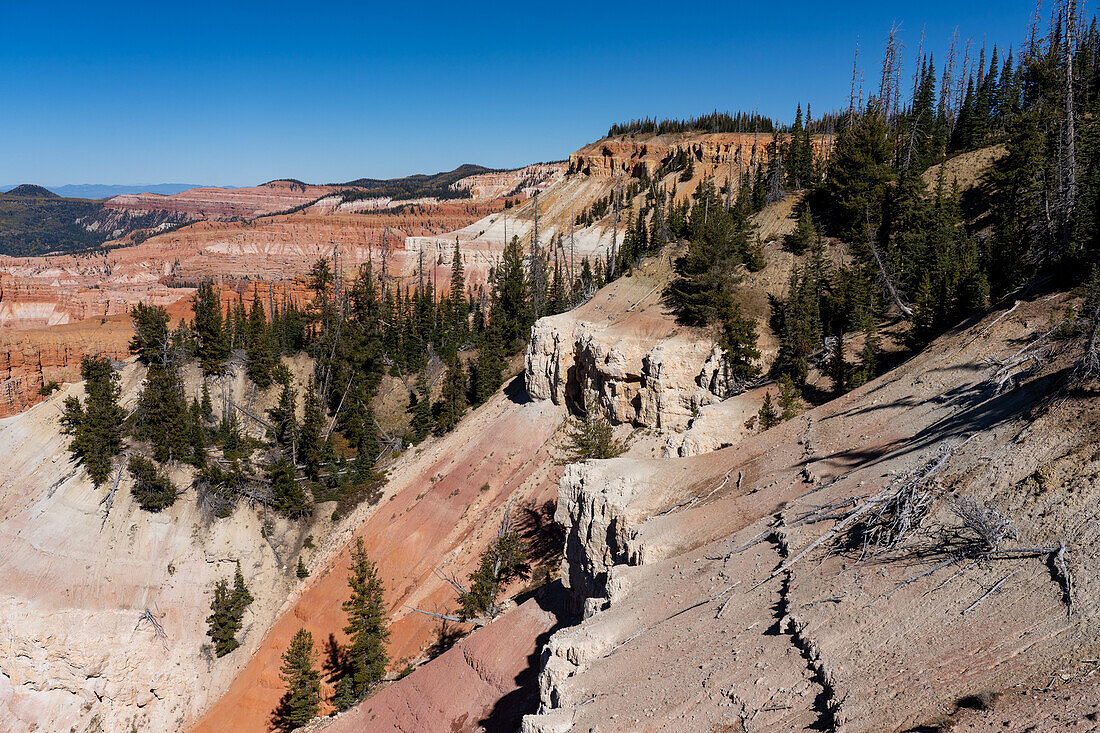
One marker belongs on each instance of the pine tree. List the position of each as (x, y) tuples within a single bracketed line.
[(301, 571), (367, 628), (96, 424), (302, 700)]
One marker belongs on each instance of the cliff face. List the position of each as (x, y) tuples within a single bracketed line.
[(720, 587), (623, 351), (630, 155), (76, 582)]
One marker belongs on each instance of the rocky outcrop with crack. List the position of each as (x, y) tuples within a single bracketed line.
[(723, 587)]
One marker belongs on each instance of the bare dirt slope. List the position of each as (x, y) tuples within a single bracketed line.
[(441, 506), (694, 623)]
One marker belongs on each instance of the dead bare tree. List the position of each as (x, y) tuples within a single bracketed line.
[(885, 280), (109, 499), (153, 619)]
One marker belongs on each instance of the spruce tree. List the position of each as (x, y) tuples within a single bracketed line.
[(241, 597), (591, 437), (367, 628), (454, 396), (259, 361), (310, 443), (223, 622), (151, 340), (768, 416), (302, 700), (790, 398), (511, 312), (489, 372), (211, 338), (288, 497), (152, 489), (163, 417)]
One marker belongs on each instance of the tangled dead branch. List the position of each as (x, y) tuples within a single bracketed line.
[(900, 509), (987, 525), (1025, 361), (153, 619)]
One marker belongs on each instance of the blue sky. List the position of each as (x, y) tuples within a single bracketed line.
[(237, 93)]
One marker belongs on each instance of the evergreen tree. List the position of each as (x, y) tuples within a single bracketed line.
[(96, 424), (454, 403), (511, 312), (206, 406), (301, 571), (489, 372), (458, 320), (709, 269), (503, 561), (790, 398), (859, 171), (311, 448), (768, 416), (152, 490), (288, 497), (151, 340), (838, 367), (367, 628), (241, 598), (210, 332), (163, 417), (420, 407), (302, 700), (223, 622), (591, 437), (737, 339), (258, 345)]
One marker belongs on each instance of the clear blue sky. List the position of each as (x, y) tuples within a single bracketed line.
[(237, 93)]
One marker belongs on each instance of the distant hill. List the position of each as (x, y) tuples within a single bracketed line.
[(29, 190), (103, 190), (415, 186)]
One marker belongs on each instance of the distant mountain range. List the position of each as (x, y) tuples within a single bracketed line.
[(106, 190)]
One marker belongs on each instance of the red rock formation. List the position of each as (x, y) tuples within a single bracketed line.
[(222, 203)]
